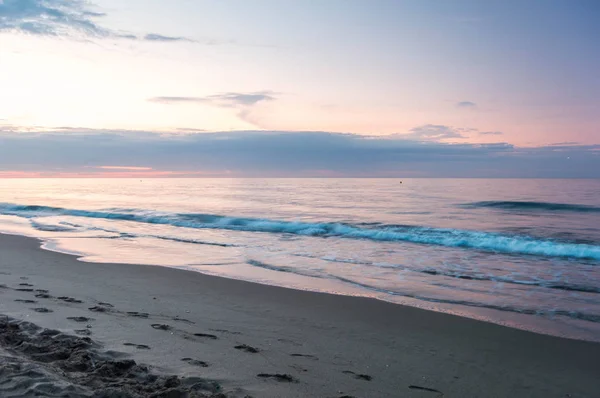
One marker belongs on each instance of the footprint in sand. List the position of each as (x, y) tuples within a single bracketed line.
[(413, 387), (206, 335), (138, 346), (160, 326), (79, 319), (247, 348), (26, 284), (305, 356), (283, 377), (196, 362), (138, 314), (42, 310), (41, 291), (105, 304), (358, 376), (43, 295), (27, 289), (69, 299), (98, 309), (26, 301)]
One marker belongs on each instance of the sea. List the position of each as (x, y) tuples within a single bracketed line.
[(523, 253)]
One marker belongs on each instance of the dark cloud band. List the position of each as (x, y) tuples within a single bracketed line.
[(289, 153), (64, 18)]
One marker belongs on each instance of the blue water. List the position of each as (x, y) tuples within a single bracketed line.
[(485, 241), (525, 253)]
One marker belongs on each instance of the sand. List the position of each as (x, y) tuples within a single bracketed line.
[(69, 328)]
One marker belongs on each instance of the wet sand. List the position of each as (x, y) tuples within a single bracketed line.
[(114, 330)]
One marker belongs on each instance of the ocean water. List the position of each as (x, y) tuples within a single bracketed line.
[(523, 253)]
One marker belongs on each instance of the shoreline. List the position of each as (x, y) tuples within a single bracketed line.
[(521, 321), (328, 343)]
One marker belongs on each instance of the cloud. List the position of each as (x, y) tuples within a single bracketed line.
[(63, 18), (286, 154), (178, 100), (231, 99), (50, 17), (466, 104), (157, 37), (189, 130), (435, 132), (249, 99), (491, 133), (438, 132), (242, 102), (130, 168)]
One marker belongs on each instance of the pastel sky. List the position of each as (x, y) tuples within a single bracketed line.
[(523, 76)]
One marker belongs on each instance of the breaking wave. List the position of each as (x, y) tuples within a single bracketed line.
[(534, 206), (468, 239)]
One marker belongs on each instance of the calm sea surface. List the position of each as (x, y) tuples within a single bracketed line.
[(524, 253)]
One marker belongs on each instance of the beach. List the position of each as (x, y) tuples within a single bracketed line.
[(296, 199), (224, 336)]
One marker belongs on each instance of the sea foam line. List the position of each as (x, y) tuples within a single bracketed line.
[(468, 239)]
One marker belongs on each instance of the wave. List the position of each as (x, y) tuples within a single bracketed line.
[(52, 228), (281, 268), (547, 284), (534, 206), (558, 285), (590, 317), (68, 227), (468, 239), (507, 308)]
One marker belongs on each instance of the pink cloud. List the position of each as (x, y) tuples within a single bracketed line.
[(117, 173), (131, 168)]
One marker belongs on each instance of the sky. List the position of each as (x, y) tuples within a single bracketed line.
[(341, 88)]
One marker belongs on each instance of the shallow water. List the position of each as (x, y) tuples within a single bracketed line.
[(525, 253)]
